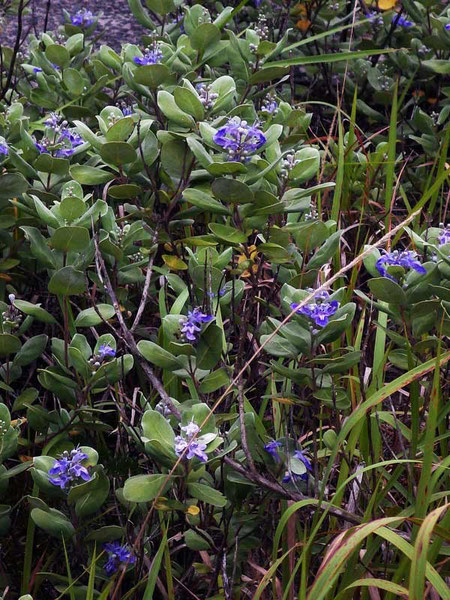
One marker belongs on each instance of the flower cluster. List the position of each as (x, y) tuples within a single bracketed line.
[(444, 236), (191, 325), (207, 98), (239, 139), (83, 18), (11, 317), (152, 56), (4, 149), (196, 448), (320, 310), (270, 105), (105, 352), (117, 555), (60, 142), (405, 258), (68, 470), (401, 21)]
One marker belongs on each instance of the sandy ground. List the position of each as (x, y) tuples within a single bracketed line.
[(116, 23)]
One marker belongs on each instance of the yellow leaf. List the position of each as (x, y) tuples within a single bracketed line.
[(193, 510), (386, 4), (174, 263)]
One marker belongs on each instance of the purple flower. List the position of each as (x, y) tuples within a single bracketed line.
[(239, 139), (68, 470), (190, 429), (270, 105), (447, 27), (191, 325), (320, 310), (444, 236), (196, 448), (106, 351), (375, 18), (42, 146), (272, 449), (401, 21), (152, 56), (4, 149), (406, 259), (117, 555), (37, 70), (83, 18), (53, 121)]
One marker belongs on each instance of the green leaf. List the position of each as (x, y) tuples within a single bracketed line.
[(205, 35), (90, 175), (49, 164), (73, 81), (226, 168), (268, 74), (71, 208), (170, 109), (90, 496), (437, 66), (67, 282), (151, 75), (58, 55), (207, 494), (227, 233), (70, 239), (12, 185), (194, 541), (325, 252), (387, 290), (9, 344), (34, 310), (118, 153), (39, 247), (205, 202), (32, 349), (90, 317), (156, 427), (158, 356), (161, 7), (107, 533), (189, 102), (232, 190), (143, 488), (125, 191), (214, 381), (120, 130), (209, 349), (53, 522)]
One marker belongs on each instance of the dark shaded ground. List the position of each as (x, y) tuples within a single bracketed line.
[(117, 23)]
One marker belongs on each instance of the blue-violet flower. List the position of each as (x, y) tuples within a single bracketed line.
[(239, 139), (106, 351), (83, 18), (402, 22), (444, 236), (320, 310), (117, 555), (191, 325), (272, 449), (4, 149), (152, 56), (406, 259), (196, 448), (68, 470), (288, 477)]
